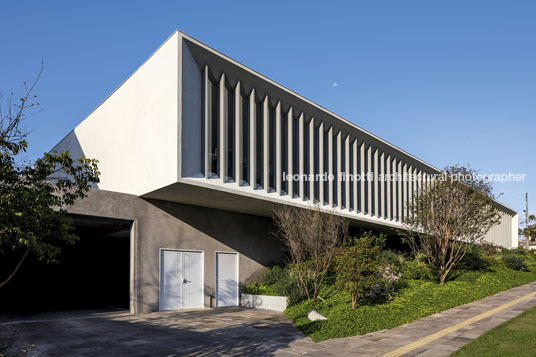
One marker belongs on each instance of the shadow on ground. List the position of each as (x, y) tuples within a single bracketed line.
[(225, 331)]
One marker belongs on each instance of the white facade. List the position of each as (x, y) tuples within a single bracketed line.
[(194, 126)]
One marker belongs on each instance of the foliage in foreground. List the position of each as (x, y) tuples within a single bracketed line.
[(34, 195), (418, 299), (448, 217), (514, 335), (312, 237)]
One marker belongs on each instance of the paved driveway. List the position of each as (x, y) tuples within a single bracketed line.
[(247, 332), (225, 331)]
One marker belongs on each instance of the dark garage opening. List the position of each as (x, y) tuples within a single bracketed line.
[(91, 274)]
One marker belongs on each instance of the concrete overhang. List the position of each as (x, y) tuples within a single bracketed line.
[(199, 192)]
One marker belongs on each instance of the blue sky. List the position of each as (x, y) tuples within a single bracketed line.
[(450, 82)]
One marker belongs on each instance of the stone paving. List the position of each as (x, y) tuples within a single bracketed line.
[(242, 332)]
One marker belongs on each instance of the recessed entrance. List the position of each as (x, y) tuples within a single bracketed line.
[(94, 273)]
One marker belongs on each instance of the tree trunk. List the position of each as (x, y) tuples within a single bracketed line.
[(442, 278), (354, 302), (16, 269)]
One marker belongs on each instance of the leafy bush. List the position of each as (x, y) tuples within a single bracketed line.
[(357, 268), (515, 262), (273, 275), (278, 281), (519, 251), (290, 288), (385, 286), (415, 270), (473, 259), (392, 259), (489, 248), (259, 289), (494, 261), (418, 299)]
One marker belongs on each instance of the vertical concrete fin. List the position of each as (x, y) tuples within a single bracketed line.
[(321, 168), (252, 140), (238, 133), (388, 182), (312, 160), (207, 87), (347, 172), (266, 143), (330, 167), (278, 148), (301, 156), (290, 116), (223, 129), (355, 173)]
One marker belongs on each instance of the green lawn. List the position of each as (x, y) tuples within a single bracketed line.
[(516, 337), (418, 299)]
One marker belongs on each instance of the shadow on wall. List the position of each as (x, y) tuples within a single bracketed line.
[(71, 144), (249, 235)]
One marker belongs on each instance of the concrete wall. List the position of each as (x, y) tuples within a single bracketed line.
[(134, 132), (160, 224), (505, 234)]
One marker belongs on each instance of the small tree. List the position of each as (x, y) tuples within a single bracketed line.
[(357, 268), (529, 232), (33, 195), (448, 217), (312, 237)]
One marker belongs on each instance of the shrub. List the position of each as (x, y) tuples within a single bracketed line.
[(519, 251), (514, 262), (415, 270), (385, 286), (259, 289), (489, 248), (357, 268), (393, 259), (473, 259), (291, 289), (494, 260), (273, 275)]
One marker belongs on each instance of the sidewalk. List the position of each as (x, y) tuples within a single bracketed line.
[(435, 335)]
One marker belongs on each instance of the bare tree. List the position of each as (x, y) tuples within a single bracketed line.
[(312, 237), (448, 217)]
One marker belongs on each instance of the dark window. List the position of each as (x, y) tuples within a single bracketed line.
[(214, 132), (259, 172), (271, 147), (334, 170), (326, 169), (230, 134), (306, 155)]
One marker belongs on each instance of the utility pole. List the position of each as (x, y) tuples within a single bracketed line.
[(527, 221)]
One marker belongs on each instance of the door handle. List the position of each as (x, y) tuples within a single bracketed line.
[(185, 281)]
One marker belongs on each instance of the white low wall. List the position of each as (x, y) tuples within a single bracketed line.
[(276, 303)]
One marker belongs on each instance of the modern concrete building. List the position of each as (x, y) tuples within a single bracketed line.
[(193, 149)]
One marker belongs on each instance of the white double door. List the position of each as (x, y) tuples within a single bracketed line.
[(181, 279)]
